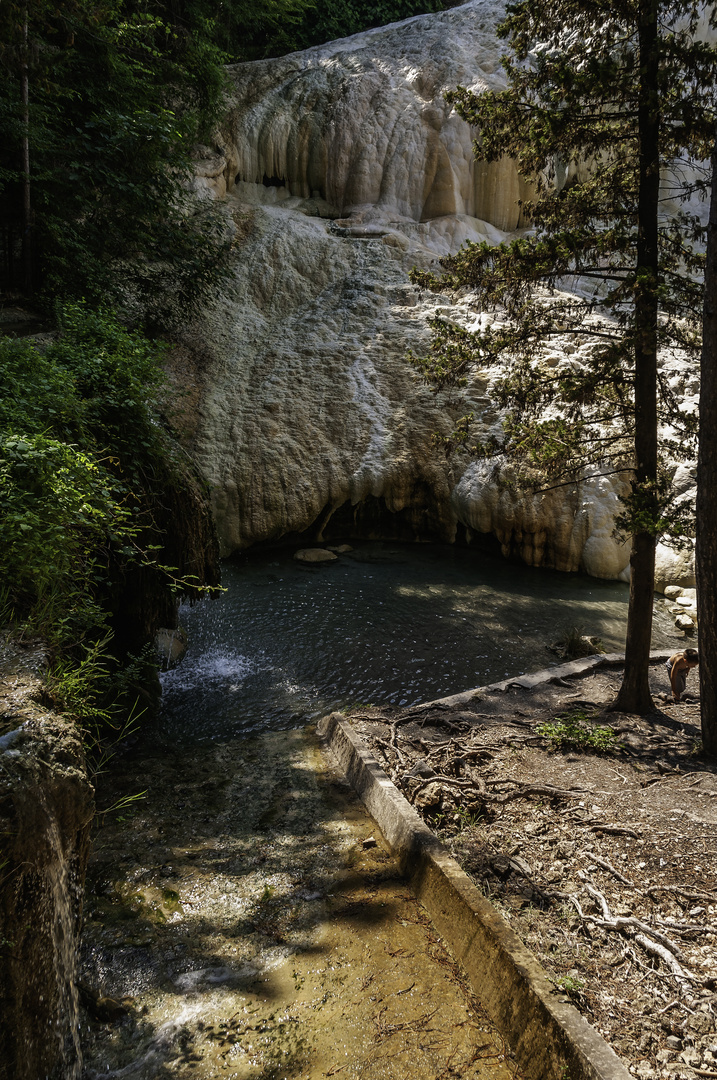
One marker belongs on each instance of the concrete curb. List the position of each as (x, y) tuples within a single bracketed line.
[(549, 1037), (546, 675)]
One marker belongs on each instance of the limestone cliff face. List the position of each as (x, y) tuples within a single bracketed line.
[(342, 167), (362, 123)]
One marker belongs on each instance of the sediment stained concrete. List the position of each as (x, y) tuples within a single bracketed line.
[(549, 1037)]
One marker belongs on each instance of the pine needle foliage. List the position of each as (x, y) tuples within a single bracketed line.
[(609, 114)]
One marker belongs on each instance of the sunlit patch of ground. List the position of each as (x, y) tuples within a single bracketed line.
[(593, 832)]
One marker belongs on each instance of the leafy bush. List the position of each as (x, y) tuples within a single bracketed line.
[(118, 97), (575, 731), (87, 487), (78, 439), (100, 695), (60, 511)]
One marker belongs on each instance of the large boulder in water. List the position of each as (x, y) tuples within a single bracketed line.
[(315, 555)]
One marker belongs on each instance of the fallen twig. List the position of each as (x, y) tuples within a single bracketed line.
[(672, 1004), (617, 922), (616, 830), (685, 928), (690, 894), (607, 866)]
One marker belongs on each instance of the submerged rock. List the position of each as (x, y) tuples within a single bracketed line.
[(170, 646), (315, 555)]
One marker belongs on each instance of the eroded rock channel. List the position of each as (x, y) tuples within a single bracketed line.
[(241, 922)]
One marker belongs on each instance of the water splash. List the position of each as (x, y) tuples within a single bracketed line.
[(161, 1048), (218, 666)]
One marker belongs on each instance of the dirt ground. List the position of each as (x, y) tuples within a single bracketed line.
[(595, 834)]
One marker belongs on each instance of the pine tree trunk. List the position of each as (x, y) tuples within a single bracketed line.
[(706, 553), (634, 695), (27, 255)]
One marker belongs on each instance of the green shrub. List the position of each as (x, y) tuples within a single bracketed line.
[(575, 731), (85, 474), (79, 444), (60, 513)]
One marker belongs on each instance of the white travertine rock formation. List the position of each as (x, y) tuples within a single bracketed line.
[(342, 167), (362, 123), (566, 528)]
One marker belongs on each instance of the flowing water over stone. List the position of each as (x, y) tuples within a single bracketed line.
[(237, 923)]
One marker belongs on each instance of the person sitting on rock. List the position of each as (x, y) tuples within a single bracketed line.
[(678, 667)]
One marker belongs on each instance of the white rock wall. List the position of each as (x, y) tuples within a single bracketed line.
[(343, 167), (362, 122)]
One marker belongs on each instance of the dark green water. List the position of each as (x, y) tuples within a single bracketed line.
[(386, 623)]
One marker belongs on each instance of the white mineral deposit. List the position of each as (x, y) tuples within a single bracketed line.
[(341, 167)]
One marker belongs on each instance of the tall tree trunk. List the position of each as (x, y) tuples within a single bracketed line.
[(706, 553), (634, 694), (27, 253)]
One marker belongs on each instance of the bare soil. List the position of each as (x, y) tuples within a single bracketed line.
[(604, 862)]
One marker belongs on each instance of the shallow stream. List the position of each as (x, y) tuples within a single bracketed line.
[(239, 920)]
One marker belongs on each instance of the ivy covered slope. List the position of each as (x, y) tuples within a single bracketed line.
[(102, 520)]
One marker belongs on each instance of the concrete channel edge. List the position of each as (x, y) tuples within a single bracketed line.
[(551, 1040)]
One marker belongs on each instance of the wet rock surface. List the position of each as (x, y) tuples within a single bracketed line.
[(46, 803), (240, 922)]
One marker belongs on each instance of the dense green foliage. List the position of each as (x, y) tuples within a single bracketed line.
[(71, 510), (116, 99), (86, 478)]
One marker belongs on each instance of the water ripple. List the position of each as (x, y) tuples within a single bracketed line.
[(386, 623)]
